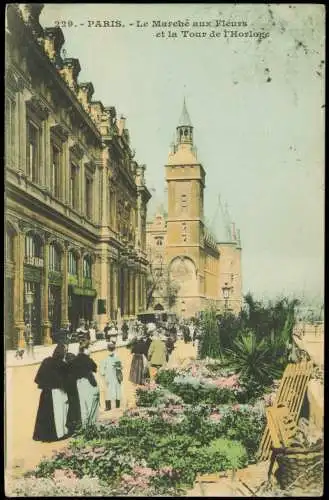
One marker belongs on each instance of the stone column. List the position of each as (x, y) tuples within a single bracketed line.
[(80, 270), (65, 290), (65, 173), (45, 159), (14, 153), (104, 288), (82, 183), (104, 198), (19, 290), (111, 290), (44, 296), (119, 287), (126, 291), (136, 294), (142, 299), (115, 287), (132, 293), (21, 132)]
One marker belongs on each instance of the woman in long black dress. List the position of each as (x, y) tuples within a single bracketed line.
[(50, 424), (138, 363)]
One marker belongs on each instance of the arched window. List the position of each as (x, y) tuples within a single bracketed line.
[(10, 242), (72, 263), (33, 250), (87, 267), (54, 258), (159, 241)]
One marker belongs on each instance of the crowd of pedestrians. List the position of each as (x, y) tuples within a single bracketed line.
[(70, 395)]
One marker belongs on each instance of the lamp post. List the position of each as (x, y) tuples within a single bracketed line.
[(29, 335), (226, 295)]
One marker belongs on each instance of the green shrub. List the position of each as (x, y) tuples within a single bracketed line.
[(165, 378), (188, 457), (154, 397), (195, 394), (253, 358), (210, 342)]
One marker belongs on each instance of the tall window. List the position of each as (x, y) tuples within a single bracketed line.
[(89, 196), (33, 150), (55, 170), (87, 267), (10, 111), (74, 186), (33, 250), (54, 258), (73, 264), (10, 245)]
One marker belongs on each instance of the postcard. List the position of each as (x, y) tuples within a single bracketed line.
[(164, 262)]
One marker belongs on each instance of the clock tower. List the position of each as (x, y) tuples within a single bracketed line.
[(185, 178)]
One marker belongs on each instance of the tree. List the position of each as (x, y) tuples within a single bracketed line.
[(210, 343), (160, 281)]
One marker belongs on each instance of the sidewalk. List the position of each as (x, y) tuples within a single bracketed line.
[(42, 352)]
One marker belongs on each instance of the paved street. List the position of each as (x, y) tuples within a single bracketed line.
[(22, 399)]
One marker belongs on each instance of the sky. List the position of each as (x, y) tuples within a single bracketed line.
[(256, 102)]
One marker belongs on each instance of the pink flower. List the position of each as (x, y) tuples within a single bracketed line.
[(144, 471), (131, 481), (215, 417), (63, 474)]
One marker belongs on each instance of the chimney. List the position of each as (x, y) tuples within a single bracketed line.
[(85, 93), (53, 43), (96, 111), (30, 13), (121, 124), (139, 174), (70, 71)]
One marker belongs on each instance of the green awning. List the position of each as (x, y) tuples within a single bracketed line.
[(87, 292)]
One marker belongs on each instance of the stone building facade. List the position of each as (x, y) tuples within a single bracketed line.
[(76, 199), (205, 269)]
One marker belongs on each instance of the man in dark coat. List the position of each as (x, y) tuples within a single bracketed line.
[(170, 344), (124, 330)]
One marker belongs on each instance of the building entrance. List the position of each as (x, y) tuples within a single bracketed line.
[(32, 312), (54, 307)]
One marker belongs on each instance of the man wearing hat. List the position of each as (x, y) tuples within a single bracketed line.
[(157, 352)]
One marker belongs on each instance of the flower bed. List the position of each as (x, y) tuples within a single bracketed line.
[(189, 422)]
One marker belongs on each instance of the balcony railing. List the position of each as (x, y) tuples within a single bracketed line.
[(34, 261)]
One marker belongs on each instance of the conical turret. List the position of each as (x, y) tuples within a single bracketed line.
[(185, 127)]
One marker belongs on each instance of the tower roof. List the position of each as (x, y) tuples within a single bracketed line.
[(184, 117), (220, 225)]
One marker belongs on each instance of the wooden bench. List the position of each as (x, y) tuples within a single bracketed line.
[(282, 426)]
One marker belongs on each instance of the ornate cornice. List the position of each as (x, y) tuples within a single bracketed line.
[(38, 106), (60, 132), (77, 150), (14, 81)]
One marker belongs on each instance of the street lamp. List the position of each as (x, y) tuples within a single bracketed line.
[(226, 295), (29, 335)]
